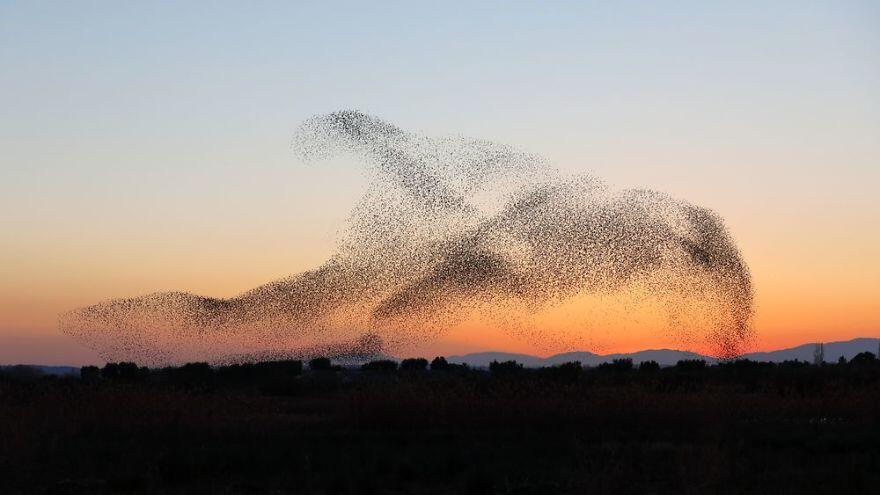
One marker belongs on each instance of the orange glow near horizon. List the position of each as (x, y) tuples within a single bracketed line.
[(791, 309)]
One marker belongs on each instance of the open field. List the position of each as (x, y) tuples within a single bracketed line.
[(736, 428)]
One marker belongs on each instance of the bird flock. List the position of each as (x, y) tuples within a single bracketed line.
[(450, 230)]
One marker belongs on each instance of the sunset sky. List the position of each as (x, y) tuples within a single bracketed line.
[(146, 147)]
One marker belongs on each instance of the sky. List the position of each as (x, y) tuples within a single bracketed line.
[(146, 146)]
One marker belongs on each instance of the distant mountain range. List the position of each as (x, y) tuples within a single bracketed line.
[(665, 357), (46, 370), (668, 357)]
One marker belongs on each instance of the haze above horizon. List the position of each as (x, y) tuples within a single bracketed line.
[(146, 147)]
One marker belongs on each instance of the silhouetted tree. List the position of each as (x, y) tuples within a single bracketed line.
[(320, 364), (192, 374), (127, 371), (617, 365), (278, 368), (819, 354), (794, 363), (382, 365), (236, 373), (743, 365), (504, 367), (414, 364), (439, 363), (649, 366), (110, 371), (567, 372), (690, 365), (90, 374), (863, 358), (273, 377)]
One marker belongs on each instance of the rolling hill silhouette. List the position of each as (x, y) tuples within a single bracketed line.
[(668, 357)]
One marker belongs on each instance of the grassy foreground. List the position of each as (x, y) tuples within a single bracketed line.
[(734, 428)]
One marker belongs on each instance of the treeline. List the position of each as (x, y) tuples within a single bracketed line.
[(294, 376)]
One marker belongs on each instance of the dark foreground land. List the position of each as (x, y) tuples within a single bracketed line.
[(738, 427)]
